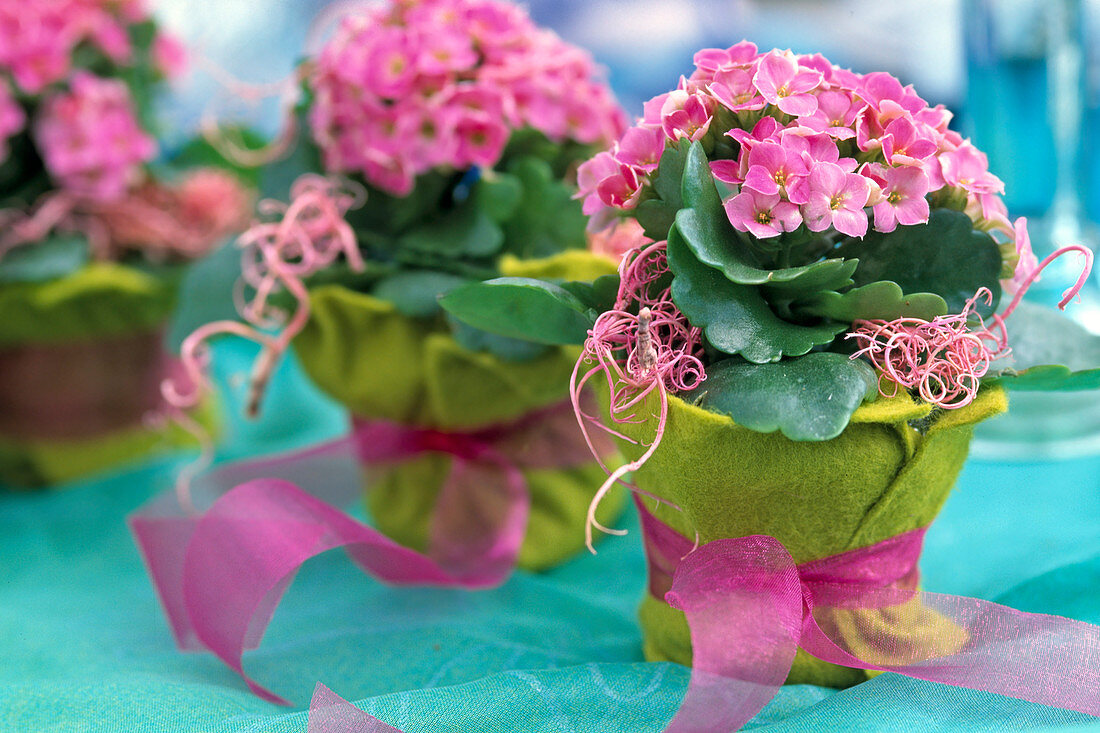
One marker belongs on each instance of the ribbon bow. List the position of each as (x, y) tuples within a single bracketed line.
[(749, 608), (220, 574)]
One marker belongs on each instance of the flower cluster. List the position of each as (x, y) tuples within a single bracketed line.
[(408, 87), (92, 141), (801, 142), (38, 39), (90, 138)]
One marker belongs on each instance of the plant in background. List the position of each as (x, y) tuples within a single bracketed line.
[(435, 144), (77, 84), (456, 124), (93, 232)]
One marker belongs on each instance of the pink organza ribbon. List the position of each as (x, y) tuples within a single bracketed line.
[(330, 713), (221, 573), (750, 607)]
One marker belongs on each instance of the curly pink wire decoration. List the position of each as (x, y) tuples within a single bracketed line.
[(653, 350), (309, 235), (944, 359)]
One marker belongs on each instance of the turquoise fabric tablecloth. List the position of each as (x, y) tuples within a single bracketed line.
[(84, 645)]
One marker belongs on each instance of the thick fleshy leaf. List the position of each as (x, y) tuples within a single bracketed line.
[(416, 293), (882, 299), (658, 214), (599, 295), (1049, 352), (811, 397), (466, 231), (736, 318), (1050, 378), (48, 260), (509, 349), (706, 229), (498, 195), (946, 256), (522, 308), (546, 220)]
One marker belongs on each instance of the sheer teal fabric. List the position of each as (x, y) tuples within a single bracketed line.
[(84, 646)]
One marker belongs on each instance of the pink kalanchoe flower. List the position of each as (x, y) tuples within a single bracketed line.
[(836, 114), (169, 56), (771, 166), (728, 171), (685, 115), (734, 89), (715, 59), (904, 144), (615, 241), (836, 198), (885, 93), (902, 199), (390, 64), (782, 82), (90, 137), (589, 175), (480, 69), (763, 215), (641, 147), (445, 51), (968, 168), (621, 189), (480, 140), (1027, 264)]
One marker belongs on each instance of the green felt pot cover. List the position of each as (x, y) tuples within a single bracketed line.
[(383, 365), (30, 464), (877, 479), (100, 299)]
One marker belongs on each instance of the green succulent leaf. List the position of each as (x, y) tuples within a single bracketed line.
[(668, 182), (1050, 378), (1049, 352), (807, 398), (882, 299), (498, 195), (48, 260), (736, 318), (706, 229), (599, 295), (656, 217), (945, 256), (509, 349), (415, 293), (465, 231), (522, 308), (547, 220)]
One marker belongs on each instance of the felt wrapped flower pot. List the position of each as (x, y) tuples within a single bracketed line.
[(384, 365), (81, 362), (879, 478)]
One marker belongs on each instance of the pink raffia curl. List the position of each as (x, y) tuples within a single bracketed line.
[(942, 360), (308, 235), (653, 350)]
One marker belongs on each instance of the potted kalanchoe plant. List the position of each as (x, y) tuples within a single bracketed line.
[(436, 143), (803, 338), (91, 239)]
